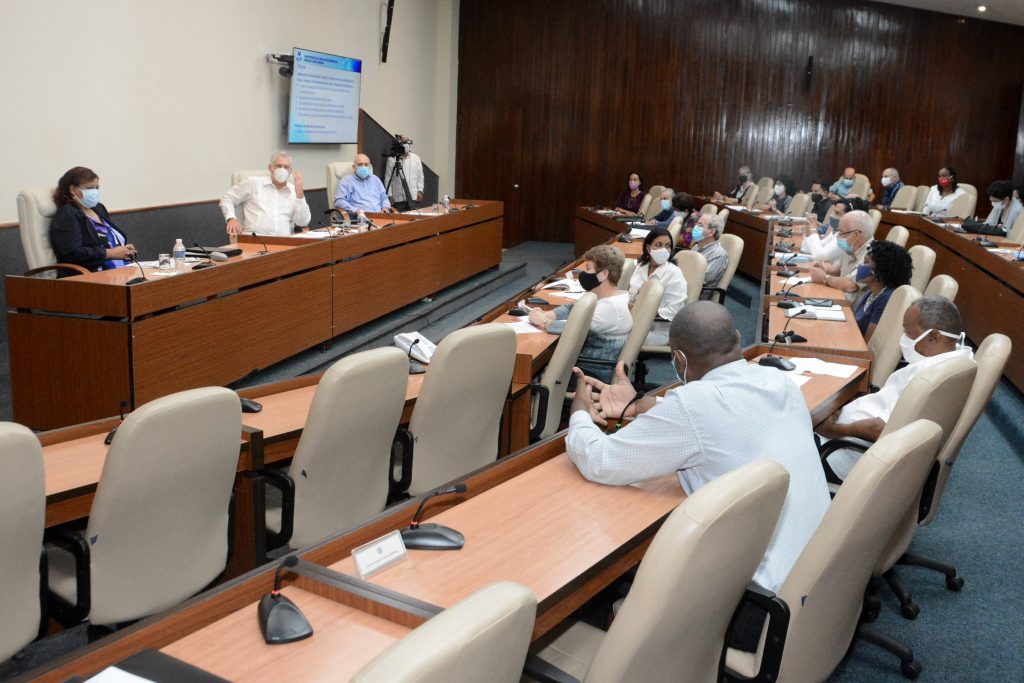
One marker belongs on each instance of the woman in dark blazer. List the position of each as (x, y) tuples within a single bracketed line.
[(82, 232)]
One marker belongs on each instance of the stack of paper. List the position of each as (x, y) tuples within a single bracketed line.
[(818, 366), (794, 281), (639, 232), (523, 327), (793, 257), (834, 313), (567, 286)]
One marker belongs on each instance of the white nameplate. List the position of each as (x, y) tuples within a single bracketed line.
[(378, 554)]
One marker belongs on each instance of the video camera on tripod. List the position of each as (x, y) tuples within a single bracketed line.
[(398, 149)]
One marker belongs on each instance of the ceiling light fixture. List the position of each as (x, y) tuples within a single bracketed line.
[(982, 8)]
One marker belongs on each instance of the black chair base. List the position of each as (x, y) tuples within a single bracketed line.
[(909, 667), (908, 608), (954, 581)]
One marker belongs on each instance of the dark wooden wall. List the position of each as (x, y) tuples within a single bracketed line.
[(562, 97)]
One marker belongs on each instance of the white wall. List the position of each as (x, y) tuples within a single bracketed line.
[(164, 99)]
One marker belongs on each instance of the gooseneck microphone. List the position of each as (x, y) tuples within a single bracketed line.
[(257, 236), (280, 620), (788, 292), (136, 280), (110, 435), (414, 367), (785, 263), (419, 536), (773, 361), (210, 255)]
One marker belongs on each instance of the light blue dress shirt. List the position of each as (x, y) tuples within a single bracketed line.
[(735, 414), (354, 194)]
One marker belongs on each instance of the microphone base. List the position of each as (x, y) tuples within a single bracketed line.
[(787, 304), (777, 362), (200, 266), (415, 368), (136, 280), (249, 405), (281, 621), (796, 339), (432, 537), (788, 273)]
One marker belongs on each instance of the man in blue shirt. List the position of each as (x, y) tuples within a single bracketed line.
[(361, 191), (892, 184)]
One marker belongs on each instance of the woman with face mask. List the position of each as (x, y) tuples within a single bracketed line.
[(612, 321), (633, 196), (779, 203), (656, 262), (1005, 207), (943, 193), (82, 231), (886, 267)]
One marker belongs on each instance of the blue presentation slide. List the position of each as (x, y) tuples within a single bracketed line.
[(324, 103)]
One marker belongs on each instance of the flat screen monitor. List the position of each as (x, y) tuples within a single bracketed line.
[(323, 107)]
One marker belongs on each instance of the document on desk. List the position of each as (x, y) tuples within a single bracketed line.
[(792, 257), (794, 281), (639, 232), (735, 207), (818, 366), (114, 675), (798, 380), (523, 327), (834, 313), (566, 285), (908, 212)]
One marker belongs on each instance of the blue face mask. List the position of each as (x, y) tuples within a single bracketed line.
[(834, 222), (90, 197), (363, 172), (847, 183), (666, 204), (698, 234), (844, 245), (863, 272)]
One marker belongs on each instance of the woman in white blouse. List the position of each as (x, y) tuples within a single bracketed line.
[(943, 194), (656, 263)]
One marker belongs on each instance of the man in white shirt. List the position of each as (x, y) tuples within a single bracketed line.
[(270, 206), (856, 228), (932, 333), (727, 413), (412, 166)]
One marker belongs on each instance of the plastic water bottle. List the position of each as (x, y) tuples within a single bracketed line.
[(447, 202), (362, 219), (179, 254)]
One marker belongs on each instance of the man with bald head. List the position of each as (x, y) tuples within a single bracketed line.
[(726, 413), (856, 228), (892, 184), (361, 191), (844, 185)]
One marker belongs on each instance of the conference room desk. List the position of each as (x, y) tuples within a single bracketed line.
[(82, 345), (991, 294), (754, 231), (591, 228)]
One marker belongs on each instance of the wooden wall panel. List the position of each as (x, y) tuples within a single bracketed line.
[(687, 91)]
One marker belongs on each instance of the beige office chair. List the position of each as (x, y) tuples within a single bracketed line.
[(885, 342), (799, 205), (547, 408), (672, 625), (861, 185), (336, 170), (962, 207), (158, 528), (923, 259), (483, 637), (22, 518), (724, 215), (825, 588), (36, 210), (454, 426), (764, 194), (644, 311), (733, 246), (628, 266), (239, 176), (709, 209), (651, 204), (904, 199), (942, 285), (898, 235), (694, 266), (969, 189), (990, 359), (750, 196), (876, 218), (1016, 231), (766, 182), (920, 196), (339, 475), (675, 227)]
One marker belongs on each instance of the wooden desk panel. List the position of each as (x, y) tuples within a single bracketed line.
[(591, 229), (66, 370), (842, 338), (225, 339), (753, 230), (73, 295)]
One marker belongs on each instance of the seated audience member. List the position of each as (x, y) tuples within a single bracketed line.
[(932, 333), (854, 237), (726, 413), (942, 195), (656, 262), (746, 179), (892, 184), (705, 236), (633, 196), (1005, 207), (270, 206), (361, 190), (779, 203), (684, 207), (821, 240), (821, 202), (665, 213), (82, 232), (886, 267), (842, 187), (612, 320)]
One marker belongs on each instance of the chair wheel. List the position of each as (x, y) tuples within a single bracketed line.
[(911, 670), (954, 583), (910, 610)]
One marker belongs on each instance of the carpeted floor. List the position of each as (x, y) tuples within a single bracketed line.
[(974, 635)]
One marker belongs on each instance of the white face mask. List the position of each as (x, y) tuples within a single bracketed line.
[(886, 181), (779, 189), (909, 346), (997, 203), (686, 364), (281, 174), (659, 256)]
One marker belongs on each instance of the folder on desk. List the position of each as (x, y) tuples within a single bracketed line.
[(834, 313)]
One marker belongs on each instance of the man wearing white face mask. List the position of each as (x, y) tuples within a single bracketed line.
[(932, 333), (270, 206), (728, 413), (655, 263), (1005, 207)]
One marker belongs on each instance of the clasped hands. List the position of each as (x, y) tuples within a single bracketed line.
[(610, 400)]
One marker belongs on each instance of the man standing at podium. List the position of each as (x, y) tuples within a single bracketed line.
[(270, 206), (361, 191)]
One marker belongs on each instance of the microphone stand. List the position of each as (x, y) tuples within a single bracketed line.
[(206, 252), (414, 367), (136, 280), (786, 293), (433, 536), (257, 236), (773, 361), (280, 620)]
